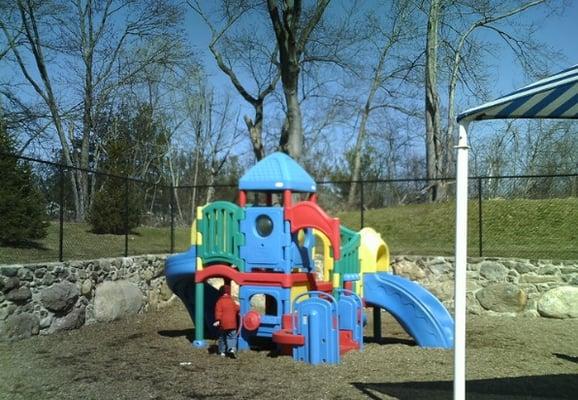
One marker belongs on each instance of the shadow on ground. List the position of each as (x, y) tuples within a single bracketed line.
[(177, 333), (389, 340), (564, 386), (566, 357)]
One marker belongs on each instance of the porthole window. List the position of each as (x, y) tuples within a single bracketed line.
[(264, 225)]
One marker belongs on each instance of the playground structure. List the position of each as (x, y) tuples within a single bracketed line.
[(275, 251)]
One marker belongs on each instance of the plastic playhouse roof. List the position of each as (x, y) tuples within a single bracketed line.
[(553, 97), (277, 172)]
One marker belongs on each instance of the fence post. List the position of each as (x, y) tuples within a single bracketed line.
[(480, 221), (172, 218), (61, 207), (126, 217), (361, 204)]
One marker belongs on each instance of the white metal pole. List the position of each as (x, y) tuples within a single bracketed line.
[(461, 260)]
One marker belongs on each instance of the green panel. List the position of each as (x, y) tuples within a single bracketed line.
[(222, 238), (349, 261)]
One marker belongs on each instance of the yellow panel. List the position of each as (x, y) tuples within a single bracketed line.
[(200, 212), (199, 264), (373, 254), (327, 259), (335, 280), (194, 233), (298, 290), (199, 239)]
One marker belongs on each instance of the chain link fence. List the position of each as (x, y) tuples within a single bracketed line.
[(509, 216)]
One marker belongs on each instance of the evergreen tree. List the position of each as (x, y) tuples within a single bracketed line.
[(22, 207), (115, 209)]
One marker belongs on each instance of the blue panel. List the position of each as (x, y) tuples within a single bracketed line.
[(269, 323), (277, 172), (351, 315), (315, 322), (265, 251)]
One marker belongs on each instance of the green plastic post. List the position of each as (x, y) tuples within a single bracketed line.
[(377, 323), (200, 312)]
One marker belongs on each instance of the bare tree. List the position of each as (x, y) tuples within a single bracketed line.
[(292, 33), (455, 39), (94, 41), (384, 41), (254, 58)]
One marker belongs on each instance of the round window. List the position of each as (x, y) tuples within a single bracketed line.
[(264, 225)]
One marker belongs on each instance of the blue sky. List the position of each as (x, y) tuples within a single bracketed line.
[(560, 32)]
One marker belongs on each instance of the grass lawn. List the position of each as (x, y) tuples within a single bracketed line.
[(79, 243), (510, 228)]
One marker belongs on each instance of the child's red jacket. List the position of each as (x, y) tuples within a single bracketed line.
[(226, 312)]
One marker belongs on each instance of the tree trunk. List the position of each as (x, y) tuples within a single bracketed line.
[(432, 118), (292, 135), (256, 130)]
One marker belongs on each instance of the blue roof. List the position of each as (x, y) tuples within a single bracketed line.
[(277, 172), (553, 97)]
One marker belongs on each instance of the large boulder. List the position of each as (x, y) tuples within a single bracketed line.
[(502, 297), (60, 297), (19, 326), (115, 300), (560, 302)]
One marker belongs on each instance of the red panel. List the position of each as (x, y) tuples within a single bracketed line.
[(346, 342), (251, 278), (287, 338), (307, 214)]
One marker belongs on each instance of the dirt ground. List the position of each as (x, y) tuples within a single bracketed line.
[(150, 357)]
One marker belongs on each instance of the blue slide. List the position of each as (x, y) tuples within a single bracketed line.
[(180, 273), (420, 313)]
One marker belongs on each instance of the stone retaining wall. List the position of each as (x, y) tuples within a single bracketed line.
[(51, 297), (502, 286)]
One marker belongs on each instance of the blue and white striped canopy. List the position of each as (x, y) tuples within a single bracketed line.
[(553, 97)]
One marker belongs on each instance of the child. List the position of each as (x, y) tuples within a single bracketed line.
[(226, 320)]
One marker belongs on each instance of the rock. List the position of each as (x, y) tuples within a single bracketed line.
[(533, 278), (114, 300), (72, 320), (48, 279), (59, 297), (443, 290), (502, 297), (5, 311), (86, 288), (25, 274), (19, 326), (409, 270), (493, 271), (524, 267), (10, 283), (560, 302), (146, 275), (46, 321), (104, 264), (9, 271), (549, 270), (39, 272), (19, 295), (166, 292), (439, 266)]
